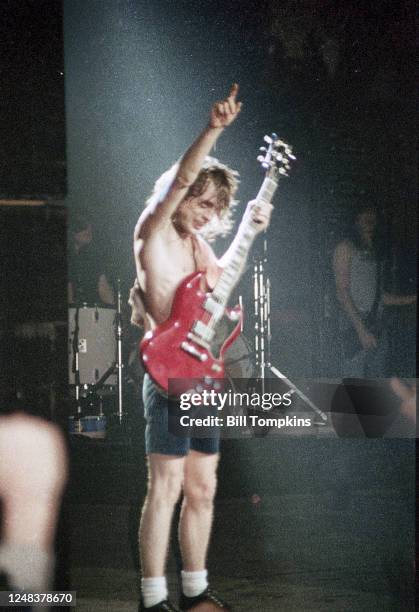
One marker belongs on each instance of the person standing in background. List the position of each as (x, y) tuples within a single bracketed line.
[(87, 281), (360, 289)]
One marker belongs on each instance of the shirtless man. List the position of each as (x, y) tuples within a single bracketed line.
[(193, 195)]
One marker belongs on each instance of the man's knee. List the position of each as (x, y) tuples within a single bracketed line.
[(165, 489), (200, 493)]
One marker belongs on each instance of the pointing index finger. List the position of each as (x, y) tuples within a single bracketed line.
[(233, 91)]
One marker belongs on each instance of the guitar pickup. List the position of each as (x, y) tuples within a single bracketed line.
[(189, 348), (198, 340), (214, 308), (203, 331)]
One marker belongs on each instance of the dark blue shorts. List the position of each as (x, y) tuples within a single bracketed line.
[(158, 438)]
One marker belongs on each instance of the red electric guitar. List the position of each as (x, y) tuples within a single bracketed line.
[(190, 345)]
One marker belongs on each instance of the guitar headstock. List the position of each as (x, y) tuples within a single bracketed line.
[(276, 158)]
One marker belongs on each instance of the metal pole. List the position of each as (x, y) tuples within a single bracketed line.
[(119, 362), (262, 296)]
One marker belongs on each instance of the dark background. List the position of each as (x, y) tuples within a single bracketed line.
[(32, 124), (335, 79)]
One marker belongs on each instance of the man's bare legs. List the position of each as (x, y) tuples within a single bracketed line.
[(197, 509), (168, 474), (196, 473), (165, 477)]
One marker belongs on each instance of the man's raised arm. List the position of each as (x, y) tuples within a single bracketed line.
[(222, 114)]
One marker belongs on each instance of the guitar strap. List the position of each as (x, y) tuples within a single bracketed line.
[(204, 260)]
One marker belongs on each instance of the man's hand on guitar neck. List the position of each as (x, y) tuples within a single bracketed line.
[(259, 212)]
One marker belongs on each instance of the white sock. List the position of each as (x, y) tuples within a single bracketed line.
[(193, 583), (154, 590), (27, 566)]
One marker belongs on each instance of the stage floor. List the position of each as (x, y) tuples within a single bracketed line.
[(291, 552), (310, 524)]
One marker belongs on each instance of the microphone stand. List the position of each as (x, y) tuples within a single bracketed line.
[(75, 365), (263, 336), (261, 293), (119, 364)]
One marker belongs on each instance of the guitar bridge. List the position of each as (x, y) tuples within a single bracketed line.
[(198, 340)]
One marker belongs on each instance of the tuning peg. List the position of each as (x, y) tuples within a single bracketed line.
[(279, 153), (264, 163)]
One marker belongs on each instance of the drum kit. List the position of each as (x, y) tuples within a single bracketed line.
[(92, 365), (95, 365)]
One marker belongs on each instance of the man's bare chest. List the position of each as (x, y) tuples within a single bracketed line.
[(170, 258)]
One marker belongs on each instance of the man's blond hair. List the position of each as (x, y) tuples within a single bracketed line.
[(226, 182)]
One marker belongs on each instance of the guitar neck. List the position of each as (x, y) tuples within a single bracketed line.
[(242, 245)]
